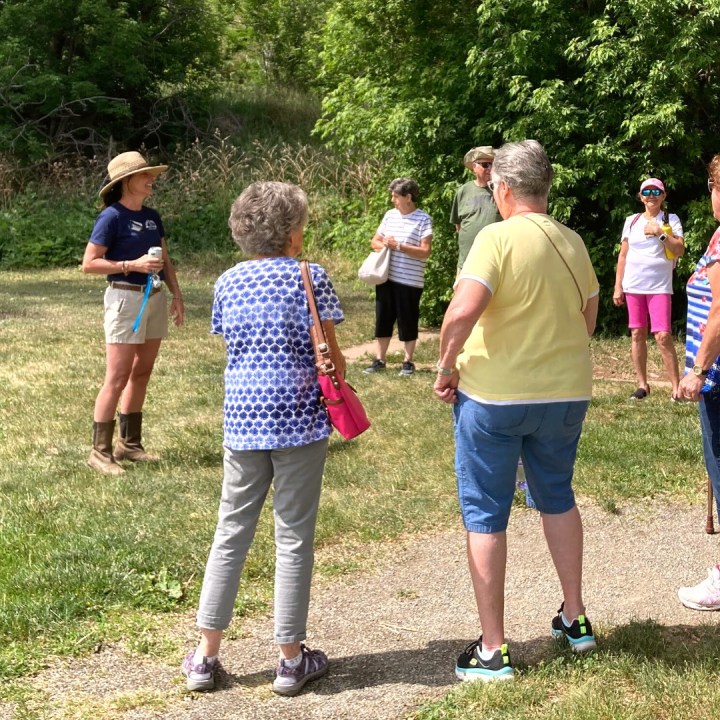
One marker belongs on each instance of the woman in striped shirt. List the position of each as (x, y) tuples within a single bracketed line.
[(407, 232), (701, 383)]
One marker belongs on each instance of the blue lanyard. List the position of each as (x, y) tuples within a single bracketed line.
[(148, 287)]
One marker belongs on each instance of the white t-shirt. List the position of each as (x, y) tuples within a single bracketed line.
[(647, 270), (409, 229)]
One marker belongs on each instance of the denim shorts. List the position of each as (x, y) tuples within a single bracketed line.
[(489, 439), (709, 407)]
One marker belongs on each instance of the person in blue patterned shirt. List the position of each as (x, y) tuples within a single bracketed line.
[(275, 428), (701, 383)]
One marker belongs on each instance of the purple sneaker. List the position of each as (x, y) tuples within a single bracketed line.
[(200, 676), (290, 681)]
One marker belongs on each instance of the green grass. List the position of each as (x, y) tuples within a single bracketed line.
[(87, 559), (643, 671)]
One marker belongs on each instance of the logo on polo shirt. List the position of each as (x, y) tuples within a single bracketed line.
[(150, 225)]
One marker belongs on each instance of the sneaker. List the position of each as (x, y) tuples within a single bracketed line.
[(579, 634), (376, 366), (470, 666), (640, 394), (290, 681), (705, 595), (200, 676), (408, 369)]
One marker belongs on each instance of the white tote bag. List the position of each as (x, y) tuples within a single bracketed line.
[(375, 267)]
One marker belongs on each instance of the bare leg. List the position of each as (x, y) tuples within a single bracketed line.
[(409, 349), (134, 395), (564, 537), (209, 642), (119, 359), (639, 355), (382, 345), (669, 357), (487, 557), (289, 650)]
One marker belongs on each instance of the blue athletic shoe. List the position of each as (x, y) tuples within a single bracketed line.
[(470, 666), (579, 634)]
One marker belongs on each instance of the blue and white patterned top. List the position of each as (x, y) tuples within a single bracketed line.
[(699, 301), (272, 396)]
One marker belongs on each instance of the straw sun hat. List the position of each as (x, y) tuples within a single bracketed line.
[(126, 164)]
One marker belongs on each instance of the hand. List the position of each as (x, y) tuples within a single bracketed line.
[(147, 264), (177, 311), (690, 387), (445, 387), (652, 228), (618, 298), (390, 242)]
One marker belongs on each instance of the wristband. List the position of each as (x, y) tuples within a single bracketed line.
[(442, 370)]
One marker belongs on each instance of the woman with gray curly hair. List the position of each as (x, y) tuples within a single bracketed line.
[(275, 428)]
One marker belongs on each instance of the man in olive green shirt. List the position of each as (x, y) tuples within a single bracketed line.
[(474, 207)]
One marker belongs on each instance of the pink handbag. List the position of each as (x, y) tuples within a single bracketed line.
[(343, 406)]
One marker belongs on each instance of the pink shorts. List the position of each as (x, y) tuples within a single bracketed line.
[(657, 306)]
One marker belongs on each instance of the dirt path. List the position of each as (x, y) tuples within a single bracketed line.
[(358, 351)]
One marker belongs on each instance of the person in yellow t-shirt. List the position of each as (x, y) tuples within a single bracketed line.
[(515, 364)]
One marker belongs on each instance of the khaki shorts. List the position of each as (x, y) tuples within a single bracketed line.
[(121, 309)]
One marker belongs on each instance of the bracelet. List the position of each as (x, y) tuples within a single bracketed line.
[(442, 370), (125, 270)]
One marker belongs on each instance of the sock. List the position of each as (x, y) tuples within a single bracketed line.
[(486, 654), (198, 658), (293, 662), (567, 623)]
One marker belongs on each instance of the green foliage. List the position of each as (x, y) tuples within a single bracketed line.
[(40, 231), (281, 40), (74, 73), (616, 91), (48, 222)]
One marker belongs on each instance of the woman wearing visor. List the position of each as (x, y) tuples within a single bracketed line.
[(651, 243)]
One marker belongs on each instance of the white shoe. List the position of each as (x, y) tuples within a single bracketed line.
[(704, 595)]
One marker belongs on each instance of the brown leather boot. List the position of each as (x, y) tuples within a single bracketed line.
[(101, 457), (128, 445)]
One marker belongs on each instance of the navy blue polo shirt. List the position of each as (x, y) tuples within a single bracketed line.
[(127, 235)]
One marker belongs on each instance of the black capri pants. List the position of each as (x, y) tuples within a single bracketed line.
[(395, 301)]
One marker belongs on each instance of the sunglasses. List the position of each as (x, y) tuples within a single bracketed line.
[(654, 192), (484, 165), (711, 185)]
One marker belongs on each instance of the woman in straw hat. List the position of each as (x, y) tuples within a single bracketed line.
[(135, 308)]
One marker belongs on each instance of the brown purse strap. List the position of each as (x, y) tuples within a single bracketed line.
[(572, 275), (323, 359)]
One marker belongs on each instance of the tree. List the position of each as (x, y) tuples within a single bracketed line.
[(75, 72), (615, 91), (283, 39)]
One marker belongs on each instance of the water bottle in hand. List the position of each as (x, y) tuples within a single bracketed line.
[(157, 253)]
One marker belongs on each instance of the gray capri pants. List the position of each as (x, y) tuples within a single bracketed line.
[(296, 474)]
